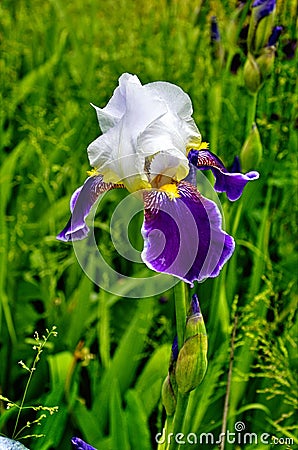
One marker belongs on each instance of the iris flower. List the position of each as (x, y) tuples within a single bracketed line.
[(150, 144)]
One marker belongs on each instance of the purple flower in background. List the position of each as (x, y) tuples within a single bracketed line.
[(261, 24), (150, 144), (214, 31), (263, 8), (79, 444), (276, 32), (289, 48)]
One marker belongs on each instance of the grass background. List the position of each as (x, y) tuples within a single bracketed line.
[(106, 367)]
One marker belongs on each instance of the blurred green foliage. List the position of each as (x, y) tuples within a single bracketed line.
[(106, 367)]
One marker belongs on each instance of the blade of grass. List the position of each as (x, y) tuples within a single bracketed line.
[(119, 431)]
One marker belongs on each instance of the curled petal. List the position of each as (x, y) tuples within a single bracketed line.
[(79, 444), (231, 183), (81, 203), (111, 114), (183, 235)]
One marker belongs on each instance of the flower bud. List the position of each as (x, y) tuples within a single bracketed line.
[(172, 365), (169, 388), (252, 150), (273, 39), (252, 74), (191, 364), (261, 23), (168, 396), (265, 62), (214, 31), (218, 51), (194, 322)]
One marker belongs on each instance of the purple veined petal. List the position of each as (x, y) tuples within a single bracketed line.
[(183, 236), (79, 444), (81, 203), (231, 183)]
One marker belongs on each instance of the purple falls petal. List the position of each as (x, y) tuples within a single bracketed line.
[(81, 203), (79, 444), (183, 236), (231, 183)]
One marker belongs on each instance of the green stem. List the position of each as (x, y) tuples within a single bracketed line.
[(180, 307), (21, 407), (167, 429), (251, 112), (182, 402), (39, 348)]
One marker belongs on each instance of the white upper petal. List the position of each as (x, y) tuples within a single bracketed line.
[(177, 100), (166, 139), (116, 107), (170, 163), (141, 121)]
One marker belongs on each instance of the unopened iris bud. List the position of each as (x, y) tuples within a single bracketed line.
[(252, 74), (168, 396), (273, 39), (172, 365), (265, 62), (191, 364), (169, 388), (252, 150), (214, 32), (261, 23), (218, 51), (194, 322)]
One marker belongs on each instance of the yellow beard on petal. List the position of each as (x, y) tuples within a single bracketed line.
[(197, 146), (93, 172), (171, 190)]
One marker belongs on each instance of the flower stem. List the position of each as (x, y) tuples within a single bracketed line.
[(182, 399), (182, 402), (251, 112), (180, 307)]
